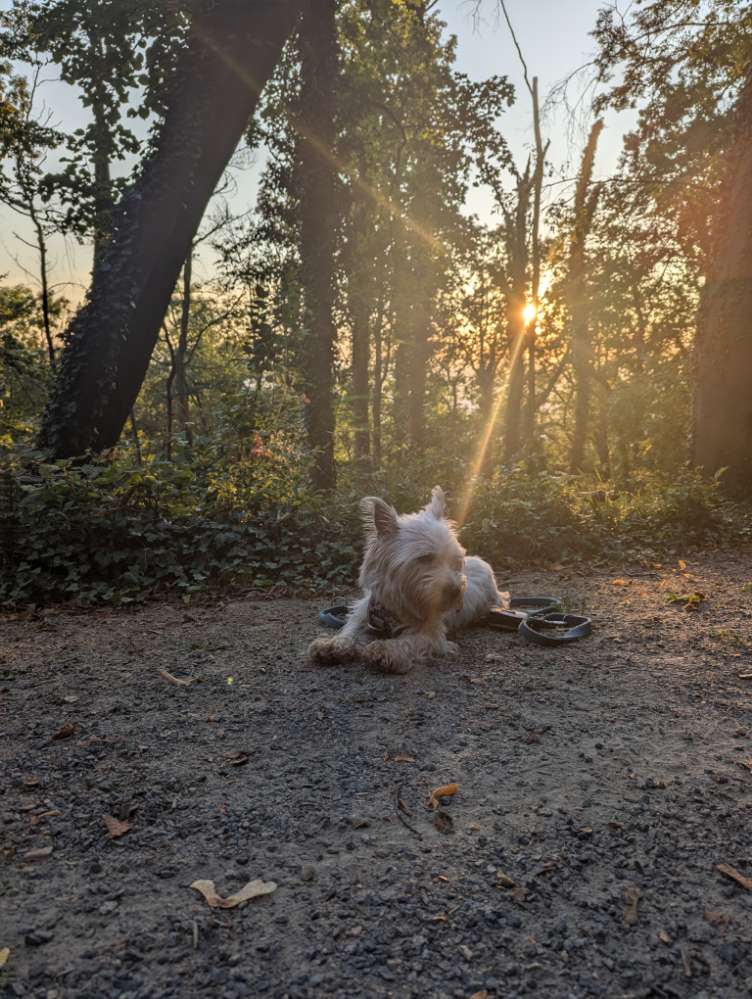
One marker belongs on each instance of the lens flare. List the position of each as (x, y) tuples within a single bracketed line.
[(529, 313)]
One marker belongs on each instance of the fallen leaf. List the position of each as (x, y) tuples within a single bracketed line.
[(360, 823), (686, 963), (466, 952), (4, 955), (52, 813), (31, 782), (442, 877), (441, 918), (682, 564), (664, 937), (731, 872), (632, 895), (70, 699), (744, 676), (237, 758), (505, 880), (115, 827), (473, 679), (65, 732), (747, 764), (619, 582), (176, 680), (445, 791), (717, 918), (398, 758), (474, 827), (444, 822), (689, 601), (585, 831), (40, 854), (254, 889), (479, 995)]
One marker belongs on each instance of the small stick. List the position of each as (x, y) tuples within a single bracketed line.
[(195, 935), (400, 816)]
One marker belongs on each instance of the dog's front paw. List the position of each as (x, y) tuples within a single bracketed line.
[(388, 657), (329, 651), (451, 649)]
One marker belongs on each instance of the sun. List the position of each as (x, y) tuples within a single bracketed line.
[(529, 313)]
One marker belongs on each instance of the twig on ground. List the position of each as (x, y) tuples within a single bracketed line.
[(399, 807)]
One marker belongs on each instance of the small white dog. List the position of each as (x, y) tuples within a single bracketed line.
[(418, 585)]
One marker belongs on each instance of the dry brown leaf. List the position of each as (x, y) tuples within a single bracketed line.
[(619, 582), (717, 918), (175, 680), (31, 782), (4, 955), (444, 822), (65, 732), (474, 827), (401, 758), (442, 877), (504, 880), (731, 872), (237, 758), (682, 564), (479, 995), (632, 895), (445, 791), (40, 854), (664, 937), (441, 918), (115, 827), (254, 889)]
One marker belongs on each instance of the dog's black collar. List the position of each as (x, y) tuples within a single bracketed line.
[(381, 620)]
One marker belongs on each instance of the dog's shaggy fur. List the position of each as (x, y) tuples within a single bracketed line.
[(418, 586)]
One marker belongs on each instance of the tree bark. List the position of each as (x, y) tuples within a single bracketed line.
[(722, 425), (516, 236), (317, 186), (586, 200), (181, 354), (232, 51)]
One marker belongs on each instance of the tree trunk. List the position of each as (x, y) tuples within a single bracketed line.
[(361, 350), (232, 51), (516, 237), (317, 187), (722, 426), (379, 375), (586, 200), (181, 354), (103, 200)]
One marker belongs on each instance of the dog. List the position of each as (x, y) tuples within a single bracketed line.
[(418, 586)]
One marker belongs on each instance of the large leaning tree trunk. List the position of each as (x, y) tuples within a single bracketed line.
[(585, 203), (317, 187), (233, 49), (722, 431)]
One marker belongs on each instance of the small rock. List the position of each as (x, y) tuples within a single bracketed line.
[(308, 872)]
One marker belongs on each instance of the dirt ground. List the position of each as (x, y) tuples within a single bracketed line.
[(600, 786)]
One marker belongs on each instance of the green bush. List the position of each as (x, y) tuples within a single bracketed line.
[(117, 533)]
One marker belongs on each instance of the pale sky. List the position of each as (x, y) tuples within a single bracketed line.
[(554, 37)]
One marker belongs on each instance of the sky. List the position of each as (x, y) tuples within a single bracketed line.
[(554, 38)]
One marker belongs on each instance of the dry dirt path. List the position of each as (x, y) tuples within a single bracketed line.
[(599, 788)]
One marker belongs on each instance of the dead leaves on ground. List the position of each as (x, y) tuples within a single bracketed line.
[(731, 872), (116, 827), (65, 732), (688, 601), (398, 758), (632, 896), (445, 791), (254, 889), (176, 681)]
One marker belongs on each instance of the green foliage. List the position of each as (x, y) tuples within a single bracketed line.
[(120, 533)]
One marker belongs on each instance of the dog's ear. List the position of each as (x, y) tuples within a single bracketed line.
[(379, 515), (437, 506)]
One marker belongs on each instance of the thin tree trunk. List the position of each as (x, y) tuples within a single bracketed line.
[(516, 236), (361, 349), (722, 425), (181, 353), (317, 185), (232, 51), (586, 199), (378, 385), (532, 332), (134, 435)]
